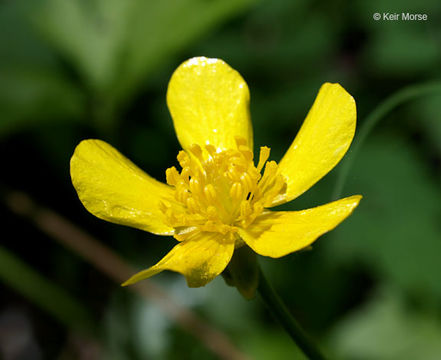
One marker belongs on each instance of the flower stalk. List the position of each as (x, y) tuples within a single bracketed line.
[(289, 323)]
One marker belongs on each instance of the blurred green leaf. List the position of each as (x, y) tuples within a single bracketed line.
[(396, 228), (33, 89), (31, 96), (160, 28), (401, 49), (387, 328), (48, 296), (90, 34), (116, 44)]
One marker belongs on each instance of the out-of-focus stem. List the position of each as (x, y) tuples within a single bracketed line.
[(282, 314)]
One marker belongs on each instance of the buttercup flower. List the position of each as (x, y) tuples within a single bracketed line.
[(220, 199)]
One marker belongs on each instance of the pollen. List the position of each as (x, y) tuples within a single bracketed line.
[(221, 191)]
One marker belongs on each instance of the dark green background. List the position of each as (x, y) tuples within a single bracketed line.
[(77, 69)]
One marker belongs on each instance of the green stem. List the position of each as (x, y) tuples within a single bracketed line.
[(396, 99), (292, 327)]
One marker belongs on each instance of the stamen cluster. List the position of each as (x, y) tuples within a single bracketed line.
[(221, 190)]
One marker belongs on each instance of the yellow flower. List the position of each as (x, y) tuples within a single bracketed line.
[(219, 201)]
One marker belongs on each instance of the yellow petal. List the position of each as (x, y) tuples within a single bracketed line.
[(322, 141), (279, 233), (200, 258), (208, 101), (112, 188)]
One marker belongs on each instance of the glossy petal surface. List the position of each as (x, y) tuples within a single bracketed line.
[(209, 104), (200, 258), (112, 188), (279, 233), (322, 141)]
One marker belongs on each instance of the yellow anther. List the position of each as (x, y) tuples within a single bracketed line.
[(245, 209), (183, 159), (172, 176), (233, 174), (210, 149), (271, 169), (194, 186), (210, 193), (192, 205), (185, 174), (263, 157), (182, 195), (236, 191), (196, 151), (247, 182)]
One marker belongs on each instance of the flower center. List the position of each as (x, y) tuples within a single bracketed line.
[(221, 190)]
